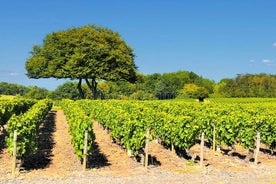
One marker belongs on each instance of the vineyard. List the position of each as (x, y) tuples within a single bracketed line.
[(230, 127), (179, 125)]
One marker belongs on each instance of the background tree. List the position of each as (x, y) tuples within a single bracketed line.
[(142, 95), (194, 91), (89, 53), (160, 86), (169, 84), (12, 89), (35, 92), (150, 82), (165, 89), (220, 88), (120, 90), (66, 90), (248, 85)]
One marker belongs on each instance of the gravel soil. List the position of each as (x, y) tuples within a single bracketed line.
[(56, 162)]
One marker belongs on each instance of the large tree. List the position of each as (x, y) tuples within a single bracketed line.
[(91, 53)]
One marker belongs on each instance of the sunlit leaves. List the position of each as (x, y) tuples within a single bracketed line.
[(78, 122), (79, 53), (180, 123), (27, 126)]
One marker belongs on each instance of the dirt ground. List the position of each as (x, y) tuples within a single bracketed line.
[(56, 162)]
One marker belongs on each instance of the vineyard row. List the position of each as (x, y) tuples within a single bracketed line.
[(179, 124)]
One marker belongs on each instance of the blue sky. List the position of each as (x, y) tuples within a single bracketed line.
[(214, 38)]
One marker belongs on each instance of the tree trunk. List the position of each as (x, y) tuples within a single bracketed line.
[(80, 89), (93, 87), (201, 99)]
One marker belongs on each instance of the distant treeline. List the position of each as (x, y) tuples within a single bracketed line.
[(17, 89), (181, 84), (248, 85)]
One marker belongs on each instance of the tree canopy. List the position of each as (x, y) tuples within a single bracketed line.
[(67, 90), (12, 89), (36, 93), (91, 53), (180, 84), (249, 85), (194, 91), (160, 86)]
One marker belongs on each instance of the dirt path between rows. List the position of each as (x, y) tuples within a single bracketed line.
[(56, 162), (55, 158), (63, 160), (110, 158)]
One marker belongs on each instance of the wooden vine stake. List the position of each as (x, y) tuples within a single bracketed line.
[(214, 139), (201, 149), (147, 149), (85, 150), (172, 147), (14, 154), (257, 148)]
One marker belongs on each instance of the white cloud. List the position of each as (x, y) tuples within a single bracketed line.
[(6, 73), (14, 73), (267, 61), (274, 44)]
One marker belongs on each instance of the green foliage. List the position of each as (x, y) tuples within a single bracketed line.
[(78, 122), (128, 123), (16, 106), (193, 91), (127, 129), (67, 90), (248, 85), (141, 95), (32, 92), (88, 52), (35, 92), (27, 126), (120, 88), (149, 83), (180, 123), (12, 89), (268, 132), (165, 86), (168, 85)]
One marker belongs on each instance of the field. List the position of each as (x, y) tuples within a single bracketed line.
[(57, 160)]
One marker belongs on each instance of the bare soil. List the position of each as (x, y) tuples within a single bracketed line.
[(56, 162)]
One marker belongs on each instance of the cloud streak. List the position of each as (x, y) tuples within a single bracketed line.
[(267, 61), (14, 73), (5, 73)]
